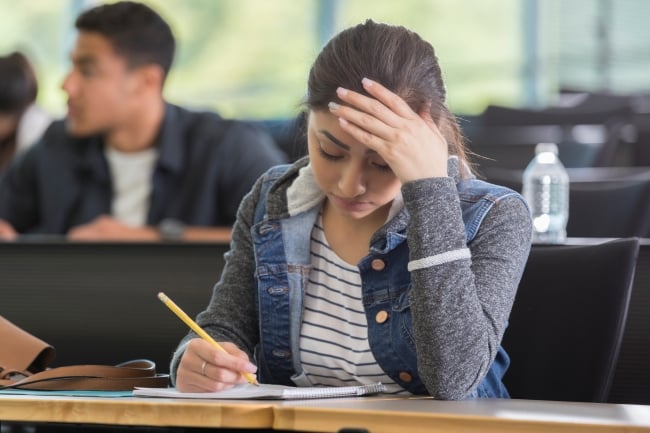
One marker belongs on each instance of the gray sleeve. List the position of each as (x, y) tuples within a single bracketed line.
[(461, 307), (231, 314)]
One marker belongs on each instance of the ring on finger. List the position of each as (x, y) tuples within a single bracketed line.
[(203, 368)]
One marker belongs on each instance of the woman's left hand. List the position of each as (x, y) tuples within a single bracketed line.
[(409, 142)]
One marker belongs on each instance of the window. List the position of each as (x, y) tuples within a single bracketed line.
[(250, 58)]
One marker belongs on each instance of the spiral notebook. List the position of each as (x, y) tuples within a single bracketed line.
[(271, 392)]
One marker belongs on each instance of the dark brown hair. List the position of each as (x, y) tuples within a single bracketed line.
[(136, 32), (18, 85), (397, 58), (18, 90)]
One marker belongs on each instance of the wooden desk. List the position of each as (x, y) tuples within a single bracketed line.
[(137, 411), (376, 414), (485, 416)]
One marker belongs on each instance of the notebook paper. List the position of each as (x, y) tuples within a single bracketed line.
[(264, 391)]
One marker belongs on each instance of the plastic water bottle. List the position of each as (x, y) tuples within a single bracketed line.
[(546, 189)]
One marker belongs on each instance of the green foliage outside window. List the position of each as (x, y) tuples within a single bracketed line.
[(250, 58)]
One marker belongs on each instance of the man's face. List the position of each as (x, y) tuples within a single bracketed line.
[(100, 87)]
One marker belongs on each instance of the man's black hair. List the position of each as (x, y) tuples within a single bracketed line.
[(136, 32)]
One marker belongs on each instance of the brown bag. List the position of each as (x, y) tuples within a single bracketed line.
[(24, 360)]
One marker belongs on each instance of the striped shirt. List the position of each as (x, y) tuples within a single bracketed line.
[(334, 348)]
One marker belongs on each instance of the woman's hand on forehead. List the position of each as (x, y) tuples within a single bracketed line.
[(409, 142)]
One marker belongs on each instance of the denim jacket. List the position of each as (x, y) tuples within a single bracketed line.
[(282, 266)]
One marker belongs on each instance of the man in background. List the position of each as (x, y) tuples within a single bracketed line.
[(124, 164)]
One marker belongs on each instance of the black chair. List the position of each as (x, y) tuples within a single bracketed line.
[(568, 319), (603, 201), (635, 146), (505, 137), (609, 208), (514, 146)]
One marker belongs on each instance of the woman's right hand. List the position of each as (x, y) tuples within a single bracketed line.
[(204, 368), (411, 143)]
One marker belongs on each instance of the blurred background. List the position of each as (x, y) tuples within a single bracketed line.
[(250, 58)]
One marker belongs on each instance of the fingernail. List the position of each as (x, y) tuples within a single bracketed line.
[(341, 91), (251, 368), (342, 121), (367, 82), (333, 106)]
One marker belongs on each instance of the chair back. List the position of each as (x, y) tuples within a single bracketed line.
[(513, 147), (567, 321), (496, 115), (609, 208), (603, 201), (586, 137)]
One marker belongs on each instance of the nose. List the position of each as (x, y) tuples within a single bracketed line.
[(68, 83), (352, 182)]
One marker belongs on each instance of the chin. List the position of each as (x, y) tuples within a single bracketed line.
[(357, 214), (77, 129)]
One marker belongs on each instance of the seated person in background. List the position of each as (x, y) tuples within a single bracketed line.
[(124, 164), (21, 121), (379, 257)]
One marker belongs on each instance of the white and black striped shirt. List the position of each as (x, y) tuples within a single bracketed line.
[(334, 349)]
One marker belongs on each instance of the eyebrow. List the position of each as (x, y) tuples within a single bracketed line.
[(334, 139), (338, 142), (83, 60)]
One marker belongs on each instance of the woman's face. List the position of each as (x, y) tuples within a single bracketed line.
[(356, 180)]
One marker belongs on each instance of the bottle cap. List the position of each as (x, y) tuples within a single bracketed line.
[(546, 147)]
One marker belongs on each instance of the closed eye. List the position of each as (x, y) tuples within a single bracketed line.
[(328, 155), (382, 166)]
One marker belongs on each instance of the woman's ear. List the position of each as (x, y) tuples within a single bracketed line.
[(426, 115)]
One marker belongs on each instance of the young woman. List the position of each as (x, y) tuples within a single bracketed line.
[(379, 257)]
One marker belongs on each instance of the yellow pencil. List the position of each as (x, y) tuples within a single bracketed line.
[(196, 328)]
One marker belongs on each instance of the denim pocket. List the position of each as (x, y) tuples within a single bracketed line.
[(404, 318)]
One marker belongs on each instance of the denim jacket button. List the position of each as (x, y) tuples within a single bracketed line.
[(405, 377), (284, 354), (381, 316), (378, 265)]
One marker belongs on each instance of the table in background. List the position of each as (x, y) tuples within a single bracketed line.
[(96, 302)]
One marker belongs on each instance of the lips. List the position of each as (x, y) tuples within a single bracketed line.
[(350, 205), (72, 110)]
